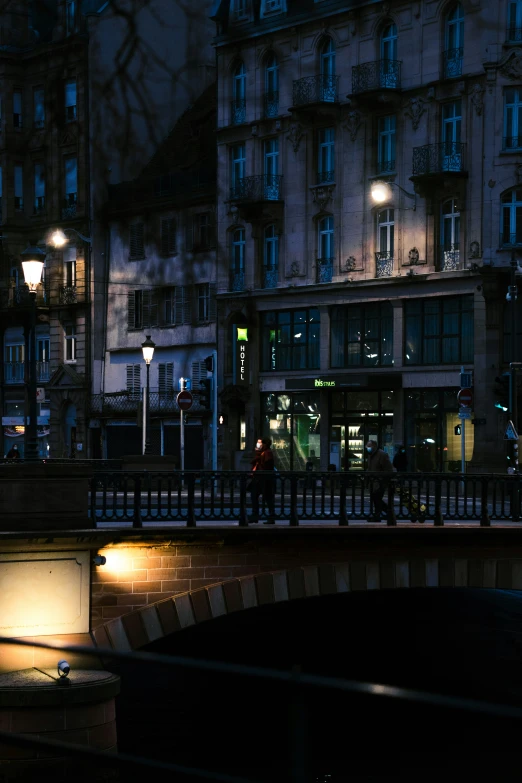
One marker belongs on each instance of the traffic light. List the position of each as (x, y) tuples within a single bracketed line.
[(223, 419), (503, 392), (209, 364), (458, 429), (205, 393)]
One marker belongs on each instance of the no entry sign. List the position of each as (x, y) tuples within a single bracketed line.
[(465, 397), (184, 400)]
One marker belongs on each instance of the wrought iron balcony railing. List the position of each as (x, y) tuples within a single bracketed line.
[(238, 111), (262, 187), (271, 103), (376, 75), (324, 270), (112, 404), (39, 205), (383, 263), (439, 158), (386, 166), (450, 259), (14, 372), (68, 295), (270, 277), (511, 240), (511, 143), (324, 177), (69, 212), (18, 296), (514, 34), (237, 281), (452, 62), (39, 124), (315, 89)]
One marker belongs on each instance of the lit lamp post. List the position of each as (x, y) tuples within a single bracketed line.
[(32, 262), (147, 348), (59, 237), (381, 192)]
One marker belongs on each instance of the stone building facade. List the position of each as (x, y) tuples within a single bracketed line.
[(369, 204), (44, 181)]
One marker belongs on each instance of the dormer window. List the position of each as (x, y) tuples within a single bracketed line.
[(239, 9), (269, 7)]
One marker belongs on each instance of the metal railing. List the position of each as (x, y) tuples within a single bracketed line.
[(452, 62), (383, 263), (376, 75), (271, 103), (324, 270), (386, 166), (510, 240), (261, 187), (514, 34), (270, 277), (450, 259), (438, 158), (511, 143), (68, 294), (315, 89), (197, 497), (324, 177), (237, 281), (238, 111), (14, 372)]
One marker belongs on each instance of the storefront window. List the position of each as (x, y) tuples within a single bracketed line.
[(362, 335), (293, 423), (431, 441), (290, 340), (357, 417), (439, 331)]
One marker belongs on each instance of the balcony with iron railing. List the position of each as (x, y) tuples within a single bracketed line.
[(325, 177), (386, 166), (238, 111), (127, 403), (434, 164), (14, 372), (376, 76), (69, 207), (259, 188), (237, 280), (68, 295), (449, 259), (39, 205), (270, 277), (514, 34), (313, 90), (19, 296), (512, 143), (324, 270), (452, 62), (509, 241), (271, 104), (384, 263)]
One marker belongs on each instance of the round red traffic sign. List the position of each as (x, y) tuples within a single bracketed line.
[(184, 400), (465, 397)]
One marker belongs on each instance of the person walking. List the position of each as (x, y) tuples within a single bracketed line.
[(378, 462), (13, 452), (400, 460), (263, 480)]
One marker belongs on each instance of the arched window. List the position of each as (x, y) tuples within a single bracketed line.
[(454, 42), (270, 257), (271, 86), (328, 84), (514, 31), (385, 242), (238, 107), (237, 260), (389, 72), (450, 235), (511, 218)]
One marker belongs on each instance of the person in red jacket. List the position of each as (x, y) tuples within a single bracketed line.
[(263, 480)]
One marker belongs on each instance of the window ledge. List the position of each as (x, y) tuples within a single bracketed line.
[(513, 151), (69, 361), (137, 258)]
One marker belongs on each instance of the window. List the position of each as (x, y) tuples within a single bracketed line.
[(39, 188), (168, 236), (239, 94), (514, 31), (326, 238), (134, 379), (70, 17), (206, 302), (202, 231), (271, 86), (326, 156), (454, 42), (14, 370), (165, 377), (237, 169), (17, 109), (136, 241), (237, 260), (38, 107), (439, 331), (388, 72), (271, 7), (69, 333), (239, 9), (385, 242), (142, 309), (290, 340), (70, 100), (386, 148), (512, 118), (177, 305), (71, 181), (511, 217), (270, 257), (69, 267), (362, 336), (451, 130), (327, 58), (450, 235), (271, 163), (19, 188), (43, 349)]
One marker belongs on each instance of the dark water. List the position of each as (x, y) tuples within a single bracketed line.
[(461, 642)]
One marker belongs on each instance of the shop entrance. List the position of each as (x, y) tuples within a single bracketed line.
[(356, 418)]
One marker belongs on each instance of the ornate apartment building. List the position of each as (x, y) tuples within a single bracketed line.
[(369, 202), (44, 186)]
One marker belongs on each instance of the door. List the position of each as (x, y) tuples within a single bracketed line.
[(348, 442), (271, 169), (388, 66), (451, 129)]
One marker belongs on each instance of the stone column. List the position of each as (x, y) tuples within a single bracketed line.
[(398, 349)]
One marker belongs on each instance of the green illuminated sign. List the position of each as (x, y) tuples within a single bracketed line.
[(242, 333), (318, 383)]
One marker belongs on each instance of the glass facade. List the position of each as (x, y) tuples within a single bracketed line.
[(293, 421), (290, 340), (357, 417), (439, 331), (362, 335)]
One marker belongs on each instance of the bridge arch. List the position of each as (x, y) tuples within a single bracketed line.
[(170, 615)]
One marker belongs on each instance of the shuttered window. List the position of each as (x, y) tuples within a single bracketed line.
[(177, 305), (134, 378), (137, 241), (203, 234), (168, 236), (199, 373), (165, 377), (142, 309)]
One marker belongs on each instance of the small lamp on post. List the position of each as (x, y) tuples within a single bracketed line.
[(32, 263), (147, 348)]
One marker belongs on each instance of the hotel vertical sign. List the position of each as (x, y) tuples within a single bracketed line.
[(242, 356)]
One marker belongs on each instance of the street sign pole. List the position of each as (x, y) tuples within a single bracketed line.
[(214, 409), (182, 439), (463, 446)]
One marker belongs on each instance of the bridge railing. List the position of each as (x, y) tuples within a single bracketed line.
[(198, 497)]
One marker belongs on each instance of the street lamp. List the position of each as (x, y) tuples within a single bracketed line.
[(381, 192), (147, 348), (32, 263), (59, 237)]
